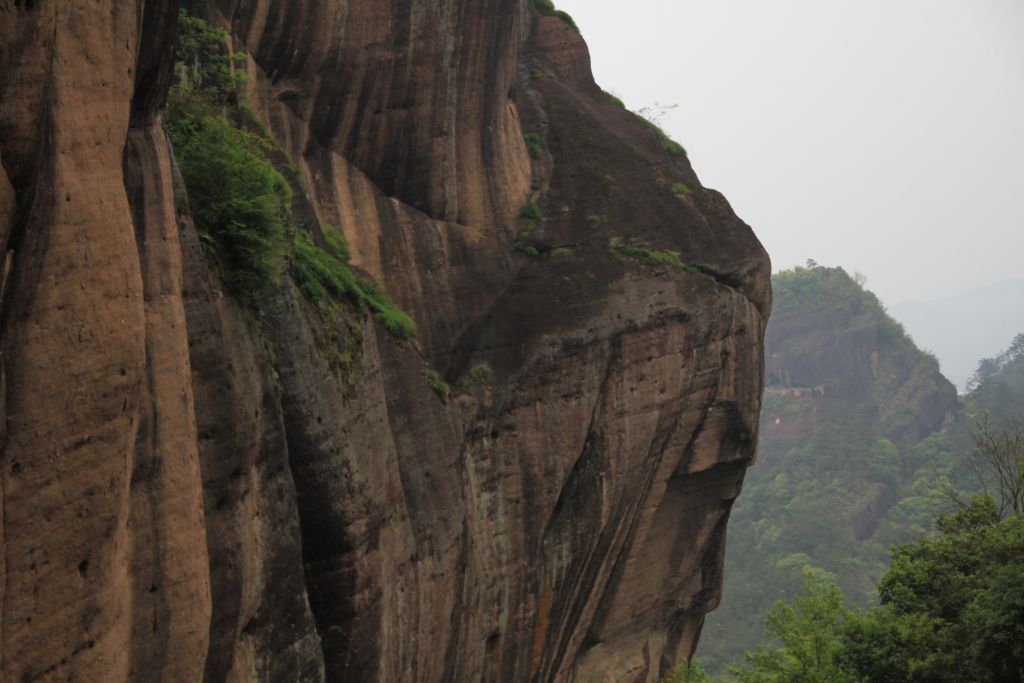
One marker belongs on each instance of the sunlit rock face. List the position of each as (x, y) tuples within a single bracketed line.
[(193, 491)]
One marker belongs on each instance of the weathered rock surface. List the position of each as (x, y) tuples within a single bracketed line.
[(191, 491)]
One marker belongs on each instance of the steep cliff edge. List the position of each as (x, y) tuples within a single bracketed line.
[(194, 488)]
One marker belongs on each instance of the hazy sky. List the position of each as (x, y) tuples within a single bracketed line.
[(885, 136)]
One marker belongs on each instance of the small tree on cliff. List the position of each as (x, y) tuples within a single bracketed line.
[(203, 62)]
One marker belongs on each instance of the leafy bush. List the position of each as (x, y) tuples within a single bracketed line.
[(531, 212), (239, 200), (680, 188), (319, 274), (533, 145), (203, 63), (439, 386), (545, 6)]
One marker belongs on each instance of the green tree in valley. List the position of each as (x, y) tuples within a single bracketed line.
[(952, 606), (951, 610), (808, 630)]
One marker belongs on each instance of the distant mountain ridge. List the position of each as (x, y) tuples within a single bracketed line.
[(962, 329)]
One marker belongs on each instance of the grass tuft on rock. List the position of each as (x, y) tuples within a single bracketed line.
[(673, 148), (661, 257), (439, 386), (322, 276)]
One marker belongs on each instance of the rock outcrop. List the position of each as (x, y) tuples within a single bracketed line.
[(192, 490)]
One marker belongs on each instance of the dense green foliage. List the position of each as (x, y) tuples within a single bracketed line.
[(203, 66), (951, 609), (240, 202), (952, 606), (807, 630), (531, 212), (238, 193)]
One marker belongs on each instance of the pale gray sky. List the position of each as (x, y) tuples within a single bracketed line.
[(885, 136)]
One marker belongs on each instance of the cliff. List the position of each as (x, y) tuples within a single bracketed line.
[(857, 422), (202, 486)]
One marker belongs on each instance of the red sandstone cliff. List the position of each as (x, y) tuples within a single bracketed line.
[(189, 492)]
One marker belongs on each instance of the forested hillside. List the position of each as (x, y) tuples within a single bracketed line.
[(950, 608), (857, 424)]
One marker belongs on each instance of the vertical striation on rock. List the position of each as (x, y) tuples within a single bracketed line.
[(196, 490)]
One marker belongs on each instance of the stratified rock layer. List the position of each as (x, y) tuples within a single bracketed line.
[(193, 491)]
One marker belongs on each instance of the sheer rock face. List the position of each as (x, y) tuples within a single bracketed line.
[(191, 492)]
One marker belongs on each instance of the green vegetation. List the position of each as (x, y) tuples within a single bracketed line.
[(680, 188), (547, 8), (565, 16), (661, 257), (531, 212), (439, 386), (807, 629), (529, 215), (542, 72), (533, 145), (481, 374), (847, 467), (671, 146), (951, 608), (238, 193), (614, 99), (203, 67), (240, 202), (323, 276)]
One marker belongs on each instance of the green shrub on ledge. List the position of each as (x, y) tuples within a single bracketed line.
[(240, 202), (656, 256), (531, 212), (533, 145), (439, 386)]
